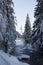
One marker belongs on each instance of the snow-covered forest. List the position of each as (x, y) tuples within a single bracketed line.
[(17, 48)]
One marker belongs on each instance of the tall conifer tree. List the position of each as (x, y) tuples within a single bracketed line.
[(27, 31), (7, 13), (37, 35)]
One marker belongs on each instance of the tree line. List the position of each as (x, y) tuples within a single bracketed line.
[(8, 30)]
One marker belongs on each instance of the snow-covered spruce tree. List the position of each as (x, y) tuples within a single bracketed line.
[(7, 13), (37, 35), (27, 32), (2, 22)]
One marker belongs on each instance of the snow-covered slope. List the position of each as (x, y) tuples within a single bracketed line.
[(9, 60), (3, 61)]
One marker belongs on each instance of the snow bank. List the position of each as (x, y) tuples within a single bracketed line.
[(12, 60), (24, 56)]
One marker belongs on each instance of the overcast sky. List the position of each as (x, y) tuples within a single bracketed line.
[(21, 8)]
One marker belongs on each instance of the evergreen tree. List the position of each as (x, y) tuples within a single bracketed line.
[(37, 35), (8, 17), (27, 31), (2, 21)]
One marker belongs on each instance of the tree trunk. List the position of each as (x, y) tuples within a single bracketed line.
[(6, 47)]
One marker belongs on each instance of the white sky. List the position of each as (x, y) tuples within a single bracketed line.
[(21, 8)]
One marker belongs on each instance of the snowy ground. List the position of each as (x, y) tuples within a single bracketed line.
[(20, 52), (23, 51), (27, 51), (19, 42), (5, 59), (20, 48)]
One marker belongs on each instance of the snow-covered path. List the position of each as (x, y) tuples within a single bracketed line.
[(19, 42), (20, 48)]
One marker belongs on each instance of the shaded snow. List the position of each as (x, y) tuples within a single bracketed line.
[(3, 62), (28, 46), (12, 60), (1, 37), (19, 42)]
